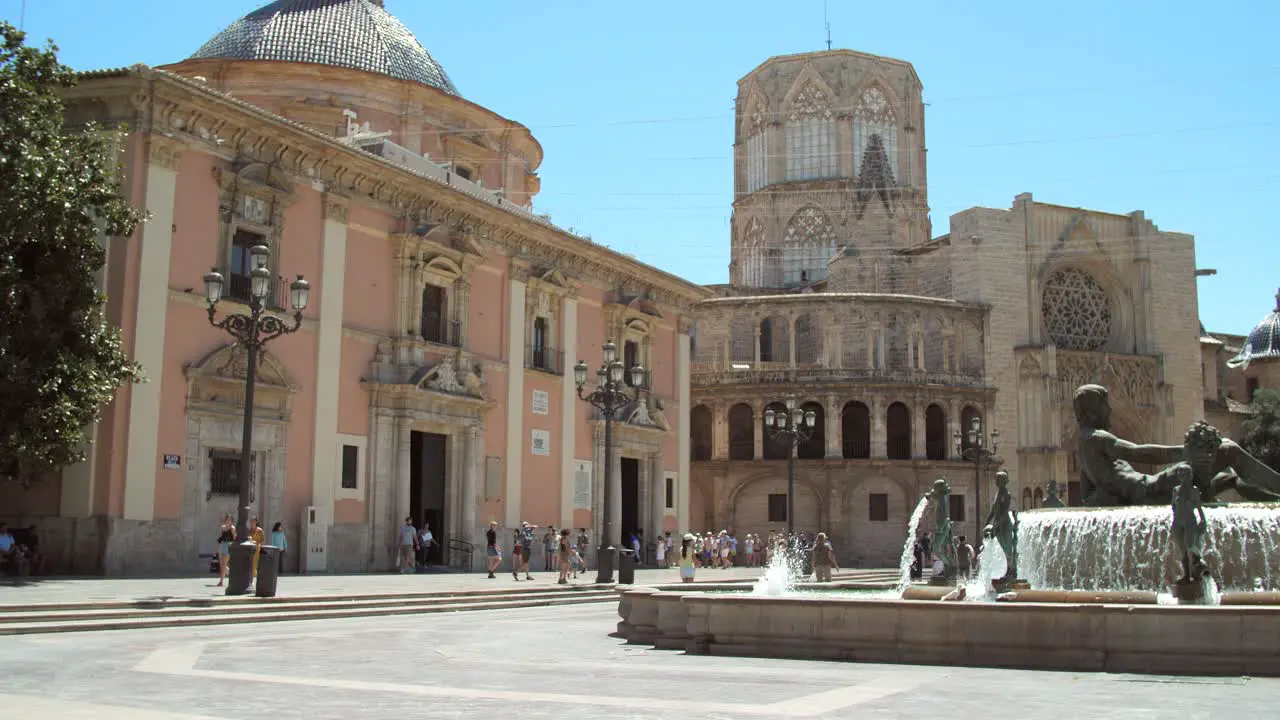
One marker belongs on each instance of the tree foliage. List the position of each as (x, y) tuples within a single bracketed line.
[(59, 361), (1260, 434)]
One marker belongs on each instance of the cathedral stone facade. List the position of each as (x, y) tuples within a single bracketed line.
[(843, 299)]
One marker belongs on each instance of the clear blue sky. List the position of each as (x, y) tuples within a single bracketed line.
[(1169, 107)]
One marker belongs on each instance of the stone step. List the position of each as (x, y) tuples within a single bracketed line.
[(155, 603), (189, 619), (289, 605)]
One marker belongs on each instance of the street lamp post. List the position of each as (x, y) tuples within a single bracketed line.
[(608, 397), (977, 452), (795, 426), (252, 331)]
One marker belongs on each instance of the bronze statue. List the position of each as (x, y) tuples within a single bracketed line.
[(1213, 460), (1107, 479), (944, 547), (1189, 527), (1002, 524), (1052, 496)]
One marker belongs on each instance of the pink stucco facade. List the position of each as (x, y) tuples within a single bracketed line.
[(431, 373)]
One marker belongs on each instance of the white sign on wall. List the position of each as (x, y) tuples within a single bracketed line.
[(582, 484), (541, 402), (541, 442)]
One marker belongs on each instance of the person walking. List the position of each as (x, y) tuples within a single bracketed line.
[(563, 556), (408, 545), (226, 538), (823, 558), (491, 551)]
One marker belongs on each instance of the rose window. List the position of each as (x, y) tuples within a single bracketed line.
[(1077, 311)]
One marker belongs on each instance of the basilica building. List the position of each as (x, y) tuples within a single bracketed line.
[(912, 346), (430, 376)]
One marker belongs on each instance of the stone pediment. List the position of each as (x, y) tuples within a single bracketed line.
[(216, 384), (638, 304)]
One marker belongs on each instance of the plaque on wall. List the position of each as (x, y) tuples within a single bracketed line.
[(541, 403), (582, 484), (541, 442)]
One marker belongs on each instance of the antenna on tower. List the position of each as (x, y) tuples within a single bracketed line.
[(827, 23), (22, 18)]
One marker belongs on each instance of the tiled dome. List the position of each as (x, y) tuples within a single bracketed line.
[(357, 34), (1263, 342)]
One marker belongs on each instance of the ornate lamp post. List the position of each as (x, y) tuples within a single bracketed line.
[(977, 452), (609, 397), (795, 426), (251, 331)]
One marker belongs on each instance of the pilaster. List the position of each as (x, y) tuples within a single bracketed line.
[(683, 441), (515, 396), (151, 275)]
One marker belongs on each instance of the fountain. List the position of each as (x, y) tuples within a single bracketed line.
[(1155, 575)]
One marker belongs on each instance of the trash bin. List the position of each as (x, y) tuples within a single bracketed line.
[(626, 566), (268, 571)]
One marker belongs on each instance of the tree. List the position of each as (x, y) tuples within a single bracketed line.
[(59, 361), (1260, 433)]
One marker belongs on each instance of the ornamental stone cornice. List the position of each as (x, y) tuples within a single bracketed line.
[(227, 127)]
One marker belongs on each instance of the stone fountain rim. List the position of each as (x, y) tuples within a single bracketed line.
[(713, 597), (1159, 506)]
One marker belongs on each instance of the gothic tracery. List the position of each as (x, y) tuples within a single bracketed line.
[(873, 116), (810, 242), (1077, 310)]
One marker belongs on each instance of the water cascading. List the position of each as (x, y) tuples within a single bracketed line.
[(908, 548), (1129, 548)]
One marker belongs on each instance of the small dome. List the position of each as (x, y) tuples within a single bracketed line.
[(1263, 342), (357, 34)]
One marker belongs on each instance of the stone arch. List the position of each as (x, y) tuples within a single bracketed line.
[(898, 431), (815, 448), (775, 339), (700, 423), (1026, 499), (855, 430), (742, 444), (808, 340), (742, 338), (1037, 499), (774, 449), (935, 432), (809, 502), (877, 543)]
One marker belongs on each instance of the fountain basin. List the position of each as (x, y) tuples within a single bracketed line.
[(1129, 548), (1201, 640)]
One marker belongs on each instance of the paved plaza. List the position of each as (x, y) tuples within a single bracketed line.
[(537, 663), (87, 590)]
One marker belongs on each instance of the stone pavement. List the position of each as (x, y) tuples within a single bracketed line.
[(83, 590), (538, 663)]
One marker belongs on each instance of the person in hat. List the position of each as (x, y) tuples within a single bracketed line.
[(524, 547), (686, 558)]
